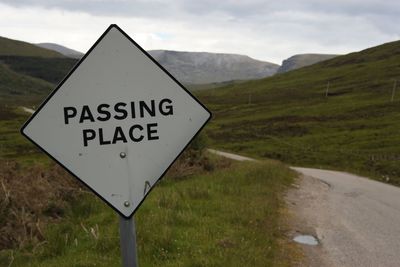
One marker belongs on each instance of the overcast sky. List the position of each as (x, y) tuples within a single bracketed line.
[(266, 30)]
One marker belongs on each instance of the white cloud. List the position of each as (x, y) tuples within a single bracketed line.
[(264, 30)]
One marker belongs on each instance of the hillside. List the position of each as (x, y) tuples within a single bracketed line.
[(51, 62), (68, 52), (9, 47), (291, 116), (302, 60), (27, 70), (52, 70), (203, 68), (15, 87)]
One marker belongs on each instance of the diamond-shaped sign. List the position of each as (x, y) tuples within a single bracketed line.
[(117, 121)]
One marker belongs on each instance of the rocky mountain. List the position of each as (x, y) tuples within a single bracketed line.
[(68, 52), (204, 68), (302, 60), (198, 67)]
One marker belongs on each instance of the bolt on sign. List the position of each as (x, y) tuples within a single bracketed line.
[(117, 121)]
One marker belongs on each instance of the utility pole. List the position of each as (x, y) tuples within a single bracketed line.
[(327, 89), (394, 90)]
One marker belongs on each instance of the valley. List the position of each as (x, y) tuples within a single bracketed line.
[(340, 114)]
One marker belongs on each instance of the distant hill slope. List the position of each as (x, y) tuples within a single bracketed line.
[(52, 70), (203, 67), (295, 117), (9, 47), (68, 52), (15, 87), (302, 60)]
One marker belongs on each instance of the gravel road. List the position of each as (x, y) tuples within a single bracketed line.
[(28, 110), (357, 220), (230, 155)]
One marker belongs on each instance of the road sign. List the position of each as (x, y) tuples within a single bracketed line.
[(117, 121)]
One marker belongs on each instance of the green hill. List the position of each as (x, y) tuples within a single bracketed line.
[(9, 47), (292, 117), (52, 70), (18, 88), (34, 61)]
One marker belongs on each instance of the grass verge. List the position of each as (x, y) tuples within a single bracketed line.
[(226, 217)]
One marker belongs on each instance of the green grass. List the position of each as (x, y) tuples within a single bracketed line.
[(229, 217), (289, 118), (13, 146), (9, 47)]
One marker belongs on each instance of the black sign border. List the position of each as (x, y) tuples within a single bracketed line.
[(66, 78)]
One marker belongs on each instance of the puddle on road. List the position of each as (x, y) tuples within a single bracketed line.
[(306, 239)]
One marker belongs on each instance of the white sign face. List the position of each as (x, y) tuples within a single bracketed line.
[(117, 121)]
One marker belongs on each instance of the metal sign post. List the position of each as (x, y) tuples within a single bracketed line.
[(127, 232)]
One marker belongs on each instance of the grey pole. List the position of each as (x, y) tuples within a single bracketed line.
[(127, 234), (327, 89), (394, 90)]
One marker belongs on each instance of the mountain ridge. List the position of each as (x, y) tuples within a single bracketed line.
[(11, 47), (207, 67), (198, 67), (303, 60), (68, 52)]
